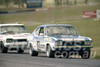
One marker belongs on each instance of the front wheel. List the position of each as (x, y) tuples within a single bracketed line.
[(32, 52), (3, 49), (49, 52), (86, 54)]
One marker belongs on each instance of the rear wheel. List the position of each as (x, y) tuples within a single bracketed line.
[(20, 50), (3, 48), (49, 52), (32, 52)]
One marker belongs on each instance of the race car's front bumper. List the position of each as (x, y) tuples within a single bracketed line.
[(16, 45), (72, 48)]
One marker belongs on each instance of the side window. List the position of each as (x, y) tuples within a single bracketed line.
[(37, 31), (41, 32)]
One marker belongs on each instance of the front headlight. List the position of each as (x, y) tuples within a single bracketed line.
[(88, 42), (59, 42), (9, 40)]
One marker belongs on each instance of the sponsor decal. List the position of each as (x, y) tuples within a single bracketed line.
[(47, 39), (90, 14), (33, 3), (78, 39), (67, 39), (20, 36), (75, 39)]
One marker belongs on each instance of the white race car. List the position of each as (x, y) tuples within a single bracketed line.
[(13, 37), (59, 40)]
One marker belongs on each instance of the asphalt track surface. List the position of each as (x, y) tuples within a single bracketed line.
[(13, 59)]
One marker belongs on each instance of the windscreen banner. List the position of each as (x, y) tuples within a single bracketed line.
[(34, 3)]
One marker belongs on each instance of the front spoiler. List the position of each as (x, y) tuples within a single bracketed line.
[(17, 45)]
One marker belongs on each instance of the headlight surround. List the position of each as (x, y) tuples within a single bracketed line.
[(9, 40), (88, 42), (59, 42)]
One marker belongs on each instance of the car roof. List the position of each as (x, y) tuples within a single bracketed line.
[(54, 25), (10, 24)]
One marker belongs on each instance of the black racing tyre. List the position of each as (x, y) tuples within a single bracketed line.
[(49, 52), (3, 49), (20, 50), (32, 52), (86, 54)]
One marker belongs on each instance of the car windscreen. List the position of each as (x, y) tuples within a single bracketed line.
[(61, 30), (13, 29)]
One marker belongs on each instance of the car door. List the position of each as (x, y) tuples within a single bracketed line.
[(40, 39)]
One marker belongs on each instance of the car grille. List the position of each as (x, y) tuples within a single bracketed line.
[(72, 43), (20, 40)]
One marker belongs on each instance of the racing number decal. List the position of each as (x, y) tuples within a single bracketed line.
[(38, 45)]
